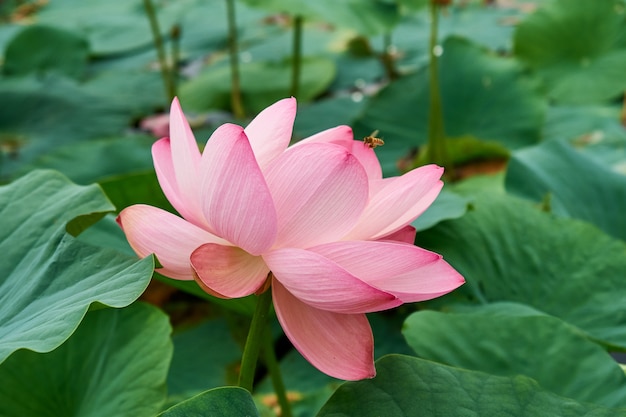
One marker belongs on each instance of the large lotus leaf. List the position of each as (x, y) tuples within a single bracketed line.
[(597, 131), (41, 114), (475, 85), (508, 250), (138, 92), (262, 84), (110, 27), (499, 342), (478, 22), (40, 49), (205, 356), (412, 387), (575, 185), (224, 402), (577, 47), (49, 278), (98, 159), (115, 364), (365, 16)]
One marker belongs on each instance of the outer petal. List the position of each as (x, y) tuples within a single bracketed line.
[(319, 190), (270, 132), (323, 284), (172, 239), (188, 207), (235, 198), (228, 271), (367, 157), (397, 202), (404, 235), (410, 273), (340, 135), (185, 157), (340, 345)]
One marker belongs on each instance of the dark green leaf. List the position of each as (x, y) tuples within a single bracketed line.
[(475, 86), (223, 402), (115, 364), (508, 250), (41, 49), (574, 184), (499, 342), (577, 47), (262, 84), (412, 387)]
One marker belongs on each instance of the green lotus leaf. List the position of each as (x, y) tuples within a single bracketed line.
[(50, 278), (410, 387), (499, 342), (115, 364), (509, 250)]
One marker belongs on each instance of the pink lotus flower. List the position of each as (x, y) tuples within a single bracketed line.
[(334, 234)]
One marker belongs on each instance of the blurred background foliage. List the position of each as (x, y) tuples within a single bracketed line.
[(534, 110)]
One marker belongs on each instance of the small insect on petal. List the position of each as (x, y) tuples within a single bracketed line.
[(372, 141)]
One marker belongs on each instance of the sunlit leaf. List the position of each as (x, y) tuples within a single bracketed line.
[(50, 278)]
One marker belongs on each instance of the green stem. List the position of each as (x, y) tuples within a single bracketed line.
[(437, 150), (387, 58), (296, 65), (158, 44), (233, 46), (277, 379), (254, 340), (175, 54)]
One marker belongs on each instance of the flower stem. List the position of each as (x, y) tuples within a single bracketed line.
[(387, 59), (296, 59), (235, 90), (254, 340), (175, 54), (277, 379), (437, 149), (158, 44)]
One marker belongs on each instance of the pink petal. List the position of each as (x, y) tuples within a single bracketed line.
[(172, 239), (406, 271), (235, 198), (228, 271), (340, 135), (319, 191), (397, 202), (270, 131), (367, 157), (404, 235), (184, 152), (340, 345), (166, 173), (323, 284)]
